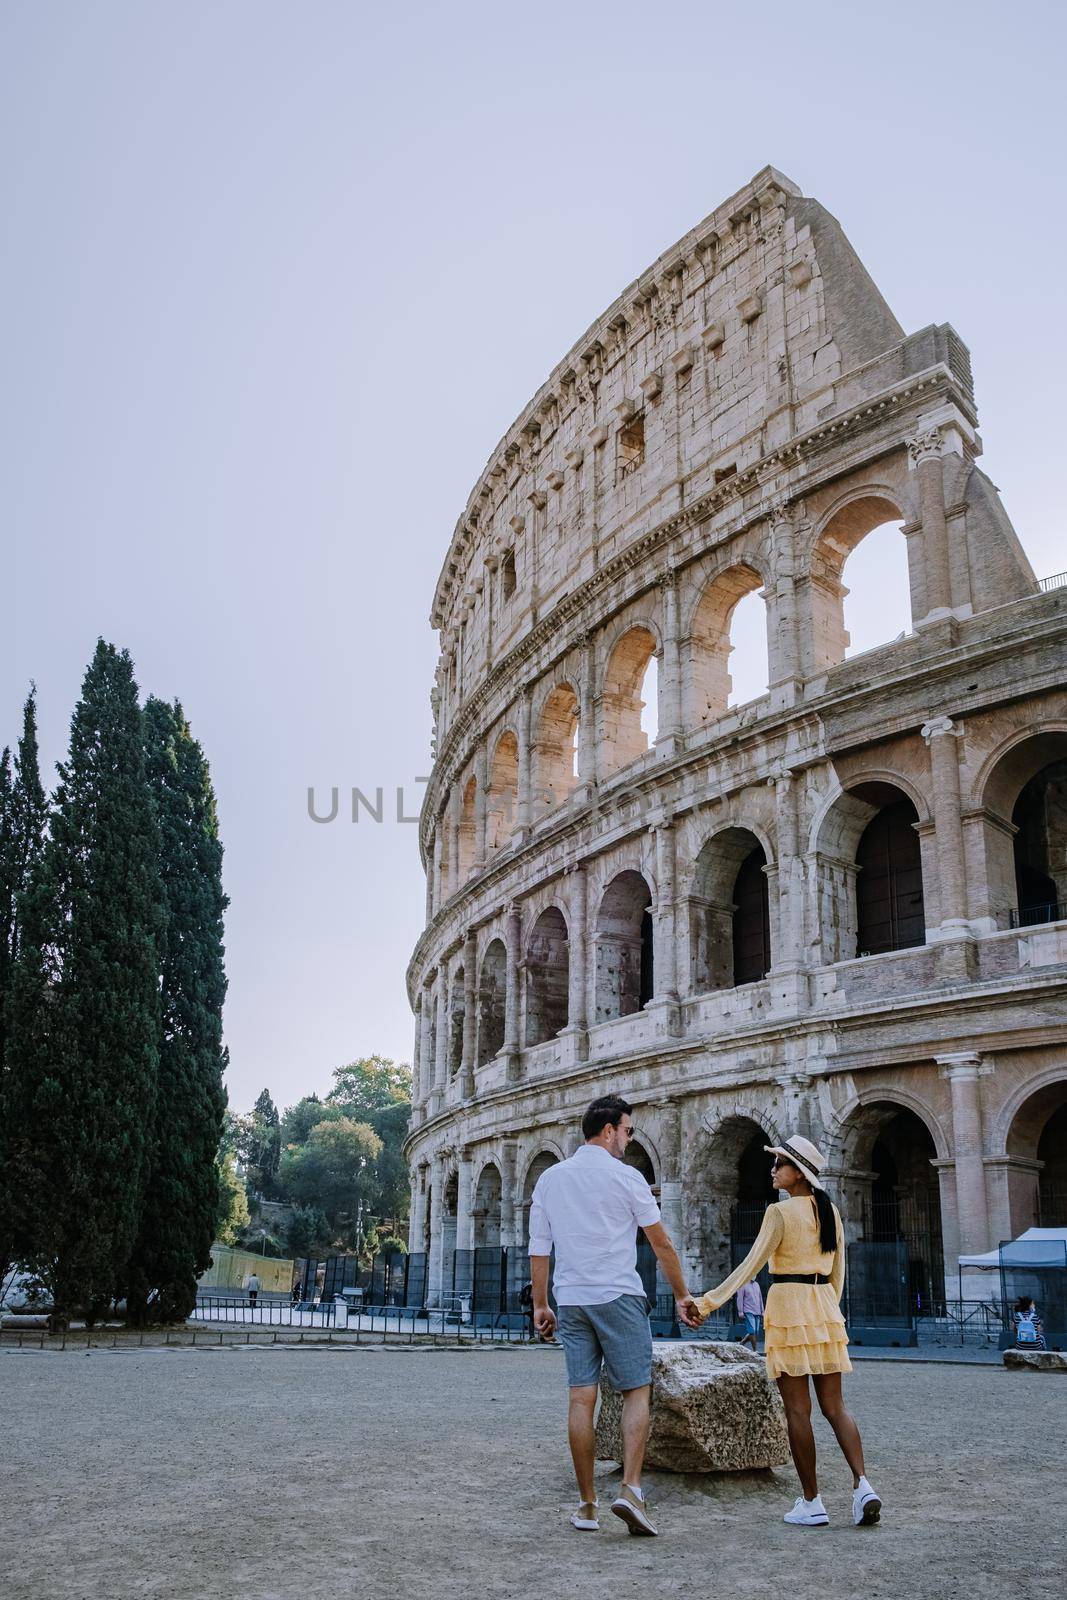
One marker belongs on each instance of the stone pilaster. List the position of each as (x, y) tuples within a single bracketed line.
[(665, 950), (508, 1158), (669, 731), (464, 1197), (440, 1081), (512, 992), (470, 1016), (788, 956), (941, 734), (587, 751), (524, 805), (435, 1264), (455, 802), (426, 1058), (963, 1070), (925, 458), (481, 794)]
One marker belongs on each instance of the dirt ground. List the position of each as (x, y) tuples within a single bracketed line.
[(275, 1474)]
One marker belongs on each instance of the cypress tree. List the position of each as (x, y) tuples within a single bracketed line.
[(23, 822), (181, 1205), (84, 1015)]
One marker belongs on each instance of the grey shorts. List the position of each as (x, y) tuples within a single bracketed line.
[(616, 1334)]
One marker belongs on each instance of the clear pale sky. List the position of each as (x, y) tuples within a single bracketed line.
[(274, 279)]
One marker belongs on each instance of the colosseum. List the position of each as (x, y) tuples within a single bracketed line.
[(838, 908)]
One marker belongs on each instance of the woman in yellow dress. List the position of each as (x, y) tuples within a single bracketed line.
[(802, 1239)]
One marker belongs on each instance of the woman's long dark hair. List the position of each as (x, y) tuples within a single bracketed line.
[(827, 1221)]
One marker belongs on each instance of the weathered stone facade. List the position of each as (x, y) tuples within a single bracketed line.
[(799, 913)]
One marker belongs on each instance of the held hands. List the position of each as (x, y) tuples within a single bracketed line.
[(544, 1321), (689, 1313)]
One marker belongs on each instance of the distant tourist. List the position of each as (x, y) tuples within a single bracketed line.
[(803, 1241), (253, 1289), (1029, 1329), (750, 1310), (589, 1208)]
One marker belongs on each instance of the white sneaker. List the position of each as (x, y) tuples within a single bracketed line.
[(866, 1506), (585, 1518), (808, 1513)]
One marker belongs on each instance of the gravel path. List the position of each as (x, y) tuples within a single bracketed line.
[(274, 1474)]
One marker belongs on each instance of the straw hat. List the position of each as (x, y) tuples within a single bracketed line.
[(804, 1156)]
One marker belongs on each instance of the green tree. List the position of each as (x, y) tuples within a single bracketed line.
[(84, 1013), (309, 1231), (394, 1190), (260, 1145), (181, 1200), (335, 1170), (233, 1202), (368, 1085), (23, 826), (298, 1120)]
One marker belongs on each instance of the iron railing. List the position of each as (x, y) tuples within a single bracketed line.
[(1034, 916), (1057, 581)]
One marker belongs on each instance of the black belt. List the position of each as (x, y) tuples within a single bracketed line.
[(800, 1277)]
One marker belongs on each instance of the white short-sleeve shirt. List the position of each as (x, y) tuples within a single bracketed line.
[(589, 1209)]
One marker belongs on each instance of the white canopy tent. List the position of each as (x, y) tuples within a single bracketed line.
[(1037, 1247)]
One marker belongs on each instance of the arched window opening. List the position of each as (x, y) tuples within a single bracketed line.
[(889, 891), (1037, 1160), (486, 1209), (729, 913), (556, 748), (905, 1203), (751, 923), (547, 974), (1052, 1154), (726, 619), (624, 963), (736, 1189), (502, 799), (622, 737), (874, 623), (637, 1156), (1040, 846), (649, 693), (749, 671), (876, 590), (491, 991), (466, 829)]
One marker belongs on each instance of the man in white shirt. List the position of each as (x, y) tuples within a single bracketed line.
[(590, 1208)]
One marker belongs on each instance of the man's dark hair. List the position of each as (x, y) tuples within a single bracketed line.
[(607, 1112)]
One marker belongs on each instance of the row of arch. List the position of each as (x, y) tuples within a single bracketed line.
[(668, 669), (884, 1175)]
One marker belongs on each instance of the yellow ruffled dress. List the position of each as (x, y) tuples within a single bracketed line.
[(805, 1331)]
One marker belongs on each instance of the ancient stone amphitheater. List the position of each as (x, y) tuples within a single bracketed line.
[(838, 908)]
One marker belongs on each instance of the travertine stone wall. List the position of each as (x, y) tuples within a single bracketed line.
[(737, 421)]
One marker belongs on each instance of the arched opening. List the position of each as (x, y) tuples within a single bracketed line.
[(456, 1012), (649, 693), (486, 1208), (624, 975), (502, 799), (540, 1163), (1040, 846), (729, 913), (892, 1198), (466, 829), (1037, 1166), (547, 972), (556, 748), (1022, 813), (637, 1156), (622, 703), (492, 984), (889, 893), (725, 621), (647, 1267), (735, 1190), (449, 1210), (869, 874), (876, 590), (842, 535)]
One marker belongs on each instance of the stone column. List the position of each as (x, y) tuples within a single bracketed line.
[(513, 950), (418, 1093), (665, 955), (464, 1217), (963, 1070), (783, 633), (455, 803), (587, 749), (924, 453), (430, 864), (440, 1082), (941, 734), (670, 1183), (426, 1060), (508, 1156), (523, 807), (438, 849), (435, 1264), (669, 731), (470, 1016), (790, 874), (578, 977), (481, 788)]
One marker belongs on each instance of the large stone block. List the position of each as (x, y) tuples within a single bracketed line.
[(713, 1410), (1036, 1360)]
